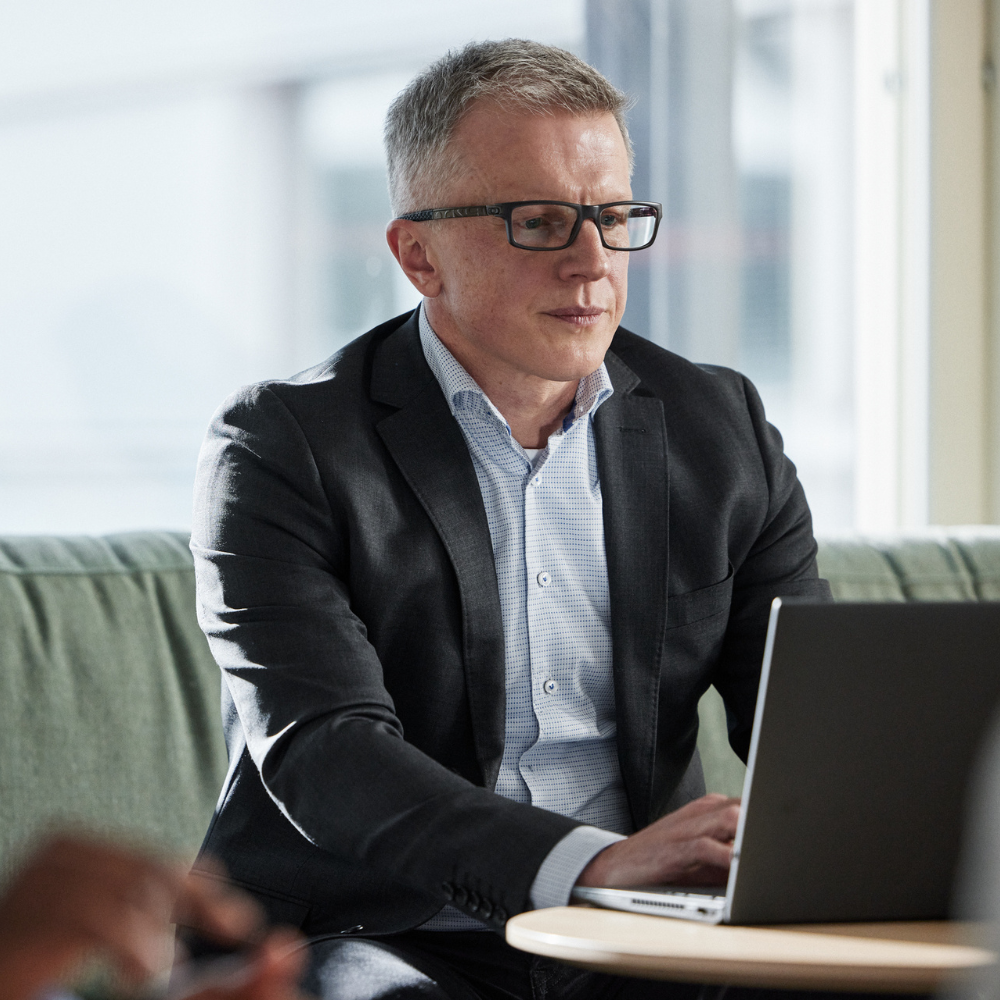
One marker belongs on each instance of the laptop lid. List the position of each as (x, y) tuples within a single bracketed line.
[(867, 726)]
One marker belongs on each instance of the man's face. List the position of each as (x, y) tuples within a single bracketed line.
[(548, 314)]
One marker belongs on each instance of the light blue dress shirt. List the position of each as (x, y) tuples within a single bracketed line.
[(547, 528)]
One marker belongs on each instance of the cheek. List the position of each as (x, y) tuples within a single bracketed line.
[(500, 283), (619, 271), (619, 281), (480, 271)]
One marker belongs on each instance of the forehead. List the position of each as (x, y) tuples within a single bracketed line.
[(509, 154)]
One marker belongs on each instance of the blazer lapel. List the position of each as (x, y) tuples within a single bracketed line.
[(631, 440), (427, 444)]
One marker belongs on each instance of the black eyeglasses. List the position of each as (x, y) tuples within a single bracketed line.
[(553, 225)]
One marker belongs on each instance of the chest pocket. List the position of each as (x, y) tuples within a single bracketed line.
[(698, 605)]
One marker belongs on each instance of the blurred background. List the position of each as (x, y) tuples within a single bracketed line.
[(192, 197)]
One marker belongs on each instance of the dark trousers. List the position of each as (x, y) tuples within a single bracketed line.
[(479, 965)]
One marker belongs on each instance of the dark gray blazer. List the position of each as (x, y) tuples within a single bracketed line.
[(347, 587)]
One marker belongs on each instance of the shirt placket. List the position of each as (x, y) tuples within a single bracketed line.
[(543, 592)]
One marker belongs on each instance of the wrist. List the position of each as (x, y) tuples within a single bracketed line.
[(597, 871)]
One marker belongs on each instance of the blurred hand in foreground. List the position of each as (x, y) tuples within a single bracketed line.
[(78, 897)]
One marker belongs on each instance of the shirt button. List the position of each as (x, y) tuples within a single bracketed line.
[(544, 579), (550, 686)]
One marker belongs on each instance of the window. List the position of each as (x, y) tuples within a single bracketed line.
[(177, 219), (743, 129)]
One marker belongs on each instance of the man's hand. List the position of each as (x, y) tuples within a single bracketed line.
[(692, 846), (78, 896), (271, 974)]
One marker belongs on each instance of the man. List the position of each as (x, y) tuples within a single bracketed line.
[(468, 579)]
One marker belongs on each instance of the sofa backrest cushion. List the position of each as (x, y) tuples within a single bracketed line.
[(936, 564), (953, 564), (109, 696)]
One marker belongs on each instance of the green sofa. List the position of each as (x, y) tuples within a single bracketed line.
[(109, 697)]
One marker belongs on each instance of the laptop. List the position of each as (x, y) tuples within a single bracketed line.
[(868, 722)]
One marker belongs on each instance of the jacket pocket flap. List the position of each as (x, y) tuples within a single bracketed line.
[(695, 605)]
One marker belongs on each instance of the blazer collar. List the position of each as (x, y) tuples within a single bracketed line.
[(631, 440), (427, 444), (399, 371)]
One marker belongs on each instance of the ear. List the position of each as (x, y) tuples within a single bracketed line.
[(408, 243)]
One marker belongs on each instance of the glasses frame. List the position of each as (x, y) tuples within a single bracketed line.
[(505, 209)]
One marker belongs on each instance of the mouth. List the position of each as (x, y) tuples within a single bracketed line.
[(578, 316)]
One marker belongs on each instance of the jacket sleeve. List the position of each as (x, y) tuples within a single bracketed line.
[(780, 562), (308, 685)]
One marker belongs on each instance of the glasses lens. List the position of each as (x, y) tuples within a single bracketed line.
[(628, 225), (542, 226)]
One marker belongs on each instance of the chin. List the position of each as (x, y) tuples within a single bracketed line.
[(578, 358), (571, 370)]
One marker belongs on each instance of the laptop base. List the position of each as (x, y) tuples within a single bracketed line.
[(661, 901)]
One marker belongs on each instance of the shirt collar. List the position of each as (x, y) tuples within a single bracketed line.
[(462, 391)]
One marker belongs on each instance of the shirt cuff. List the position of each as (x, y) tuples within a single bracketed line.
[(562, 865)]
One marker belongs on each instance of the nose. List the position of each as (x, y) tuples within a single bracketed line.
[(586, 258)]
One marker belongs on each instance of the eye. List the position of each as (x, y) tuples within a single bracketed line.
[(533, 223)]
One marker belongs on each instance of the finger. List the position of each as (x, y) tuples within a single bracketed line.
[(695, 811), (282, 956), (214, 906), (720, 822), (712, 802), (135, 931), (702, 852), (273, 974), (103, 891), (709, 800)]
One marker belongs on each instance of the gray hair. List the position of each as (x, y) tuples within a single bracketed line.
[(516, 73)]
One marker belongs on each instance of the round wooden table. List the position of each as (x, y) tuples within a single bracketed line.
[(913, 957)]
